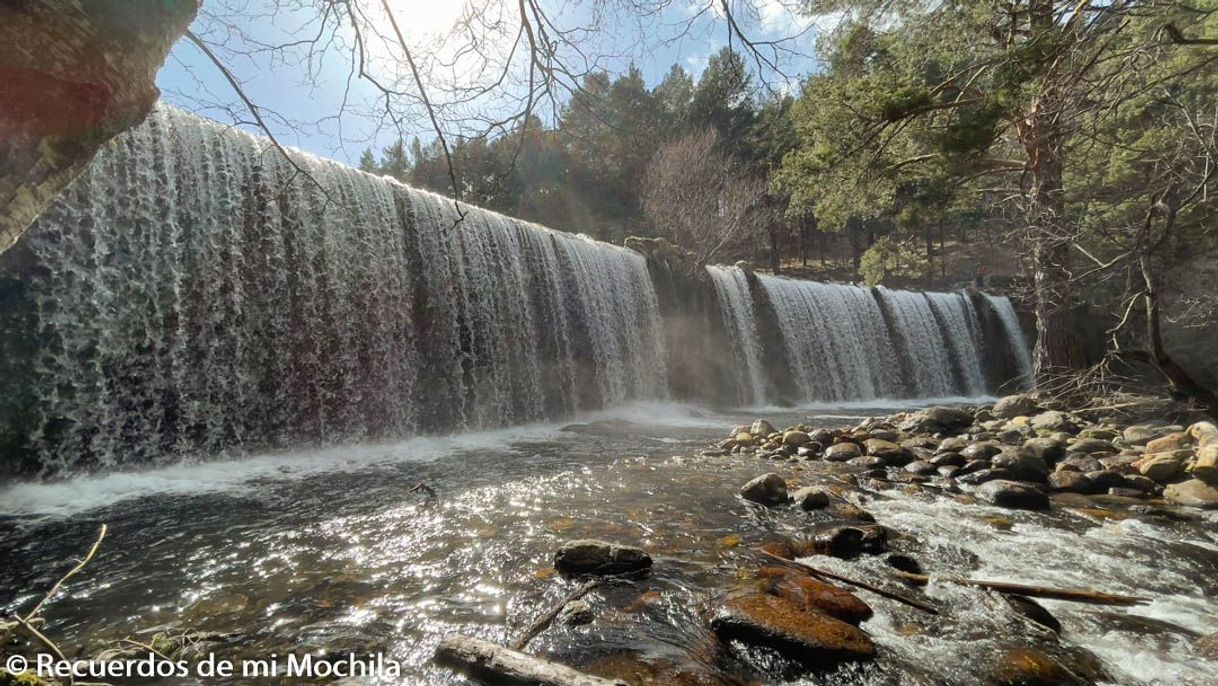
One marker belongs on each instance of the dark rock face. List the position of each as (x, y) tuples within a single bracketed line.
[(848, 542), (1033, 611), (807, 636), (599, 558), (811, 498), (1013, 494)]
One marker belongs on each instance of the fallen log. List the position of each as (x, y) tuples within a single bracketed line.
[(493, 664), (853, 582), (1068, 594)]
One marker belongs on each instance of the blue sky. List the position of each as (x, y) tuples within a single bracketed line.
[(304, 97)]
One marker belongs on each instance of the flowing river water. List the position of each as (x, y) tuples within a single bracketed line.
[(330, 552)]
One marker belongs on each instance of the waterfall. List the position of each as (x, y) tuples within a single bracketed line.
[(195, 295), (1015, 338), (736, 305), (837, 345)]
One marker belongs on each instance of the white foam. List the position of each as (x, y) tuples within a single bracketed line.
[(73, 496)]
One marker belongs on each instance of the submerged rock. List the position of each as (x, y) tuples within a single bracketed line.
[(767, 489), (810, 637), (1031, 667), (589, 556), (1033, 611), (1013, 494)]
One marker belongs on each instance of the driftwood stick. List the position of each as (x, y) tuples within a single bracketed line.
[(493, 664), (29, 616), (865, 586), (1070, 594), (543, 622)]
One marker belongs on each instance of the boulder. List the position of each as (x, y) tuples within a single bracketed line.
[(1204, 433), (920, 467), (953, 445), (808, 636), (795, 438), (1022, 464), (1087, 446), (1071, 481), (1141, 434), (848, 542), (983, 476), (1052, 420), (981, 451), (1013, 494), (811, 498), (1080, 463), (767, 489), (1163, 467), (1031, 667), (948, 460), (1049, 450), (1206, 466), (949, 417), (599, 558), (1163, 444), (762, 428), (842, 452), (1014, 406), (1193, 493), (891, 453), (810, 594)]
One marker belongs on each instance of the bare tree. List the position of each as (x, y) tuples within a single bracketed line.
[(703, 200)]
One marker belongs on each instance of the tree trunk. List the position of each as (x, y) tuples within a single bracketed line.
[(1181, 381), (73, 74)]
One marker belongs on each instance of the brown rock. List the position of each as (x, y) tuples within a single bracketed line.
[(1207, 647), (1162, 467), (1174, 441), (1031, 667), (808, 636), (810, 594), (1204, 433), (842, 452), (1206, 466), (1193, 493)]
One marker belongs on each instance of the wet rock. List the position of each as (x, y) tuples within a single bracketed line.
[(762, 428), (1053, 420), (867, 461), (1087, 446), (981, 451), (810, 594), (948, 460), (1206, 466), (1071, 481), (985, 476), (595, 557), (1013, 494), (842, 452), (973, 466), (795, 438), (1173, 441), (1141, 483), (808, 636), (1162, 467), (1034, 611), (1105, 479), (904, 563), (953, 445), (811, 498), (891, 453), (1193, 493), (767, 489), (575, 613), (1022, 464), (848, 542), (1011, 436), (949, 471), (1014, 406), (1031, 667), (920, 467), (1049, 450), (782, 549), (845, 510), (885, 435)]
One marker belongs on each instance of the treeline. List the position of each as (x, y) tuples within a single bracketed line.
[(615, 143)]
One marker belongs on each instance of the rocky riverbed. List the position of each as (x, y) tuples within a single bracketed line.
[(814, 548)]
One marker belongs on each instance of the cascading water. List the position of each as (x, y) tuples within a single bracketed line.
[(736, 303), (196, 295), (1010, 325), (837, 345), (958, 319)]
